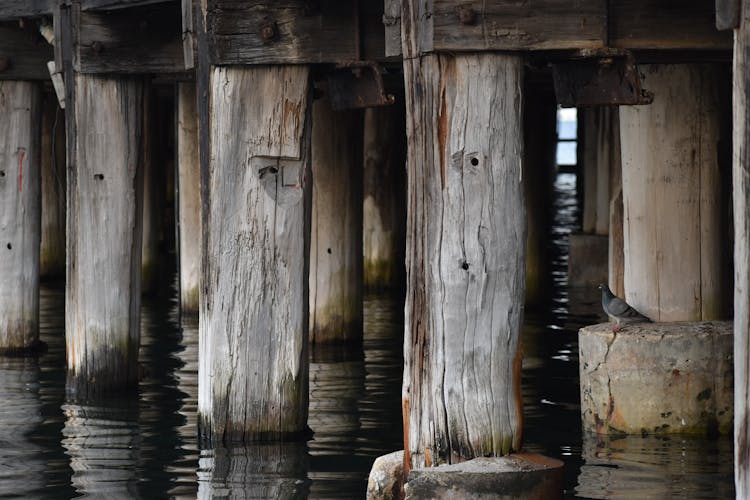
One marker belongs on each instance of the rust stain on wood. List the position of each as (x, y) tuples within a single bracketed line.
[(442, 135), (405, 410), (21, 156)]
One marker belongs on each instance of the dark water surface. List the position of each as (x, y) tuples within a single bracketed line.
[(144, 446)]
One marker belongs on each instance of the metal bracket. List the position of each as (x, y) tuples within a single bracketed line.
[(357, 85), (599, 78)]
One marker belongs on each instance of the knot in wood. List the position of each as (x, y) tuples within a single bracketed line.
[(467, 15), (269, 31)]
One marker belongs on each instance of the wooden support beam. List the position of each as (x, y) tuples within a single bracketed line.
[(671, 195), (188, 197), (741, 204), (23, 52), (144, 39), (466, 239), (25, 9), (118, 4), (253, 375), (384, 207), (52, 251), (153, 192), (103, 286), (727, 14), (283, 32), (336, 235), (20, 108)]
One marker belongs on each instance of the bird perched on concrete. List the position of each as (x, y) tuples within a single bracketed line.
[(619, 310)]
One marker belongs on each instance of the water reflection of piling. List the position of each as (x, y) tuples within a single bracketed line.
[(103, 444), (266, 470)]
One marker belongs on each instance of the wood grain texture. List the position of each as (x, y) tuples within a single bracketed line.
[(466, 238), (671, 195), (741, 205), (392, 27), (152, 193), (253, 381), (515, 25), (188, 199), (328, 33), (103, 289), (52, 246), (15, 9), (336, 233), (727, 14), (26, 51), (19, 214), (384, 206), (118, 4), (146, 39)]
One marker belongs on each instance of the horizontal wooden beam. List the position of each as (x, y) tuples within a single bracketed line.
[(23, 52), (118, 4), (506, 25), (19, 9), (145, 39), (282, 32)]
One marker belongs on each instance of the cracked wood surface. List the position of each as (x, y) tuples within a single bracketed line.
[(466, 236), (253, 381)]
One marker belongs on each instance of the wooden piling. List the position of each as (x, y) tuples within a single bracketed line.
[(671, 195), (253, 370), (188, 197), (20, 207), (151, 197), (336, 236), (384, 218), (466, 238), (52, 251), (741, 195), (104, 235)]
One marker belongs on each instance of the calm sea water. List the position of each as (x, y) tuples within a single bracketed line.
[(145, 446)]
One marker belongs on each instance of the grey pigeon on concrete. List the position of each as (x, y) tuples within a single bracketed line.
[(619, 310)]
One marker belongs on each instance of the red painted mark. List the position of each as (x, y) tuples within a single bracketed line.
[(21, 156)]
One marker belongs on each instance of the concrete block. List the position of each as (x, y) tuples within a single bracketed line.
[(386, 477), (520, 476), (662, 378), (587, 259)]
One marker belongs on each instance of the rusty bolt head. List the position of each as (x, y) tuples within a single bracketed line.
[(4, 63), (467, 15), (269, 31)]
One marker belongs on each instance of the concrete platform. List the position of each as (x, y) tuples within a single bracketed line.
[(660, 378), (519, 476)]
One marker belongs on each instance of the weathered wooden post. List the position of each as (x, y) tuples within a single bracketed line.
[(188, 197), (741, 197), (384, 219), (52, 250), (253, 375), (671, 195), (20, 206), (104, 234), (466, 238), (336, 239), (151, 197)]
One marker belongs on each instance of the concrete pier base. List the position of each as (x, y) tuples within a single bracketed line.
[(663, 378), (517, 476), (588, 259)]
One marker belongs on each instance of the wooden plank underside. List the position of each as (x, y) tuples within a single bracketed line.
[(118, 4), (16, 9), (26, 51), (295, 32), (145, 39)]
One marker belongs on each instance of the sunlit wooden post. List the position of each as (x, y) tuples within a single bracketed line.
[(104, 234), (188, 198), (20, 204)]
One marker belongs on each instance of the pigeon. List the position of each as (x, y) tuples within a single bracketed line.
[(619, 310)]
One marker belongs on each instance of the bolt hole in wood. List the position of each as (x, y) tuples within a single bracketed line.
[(99, 177), (267, 170), (329, 250), (2, 173), (10, 247), (465, 266), (474, 162)]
